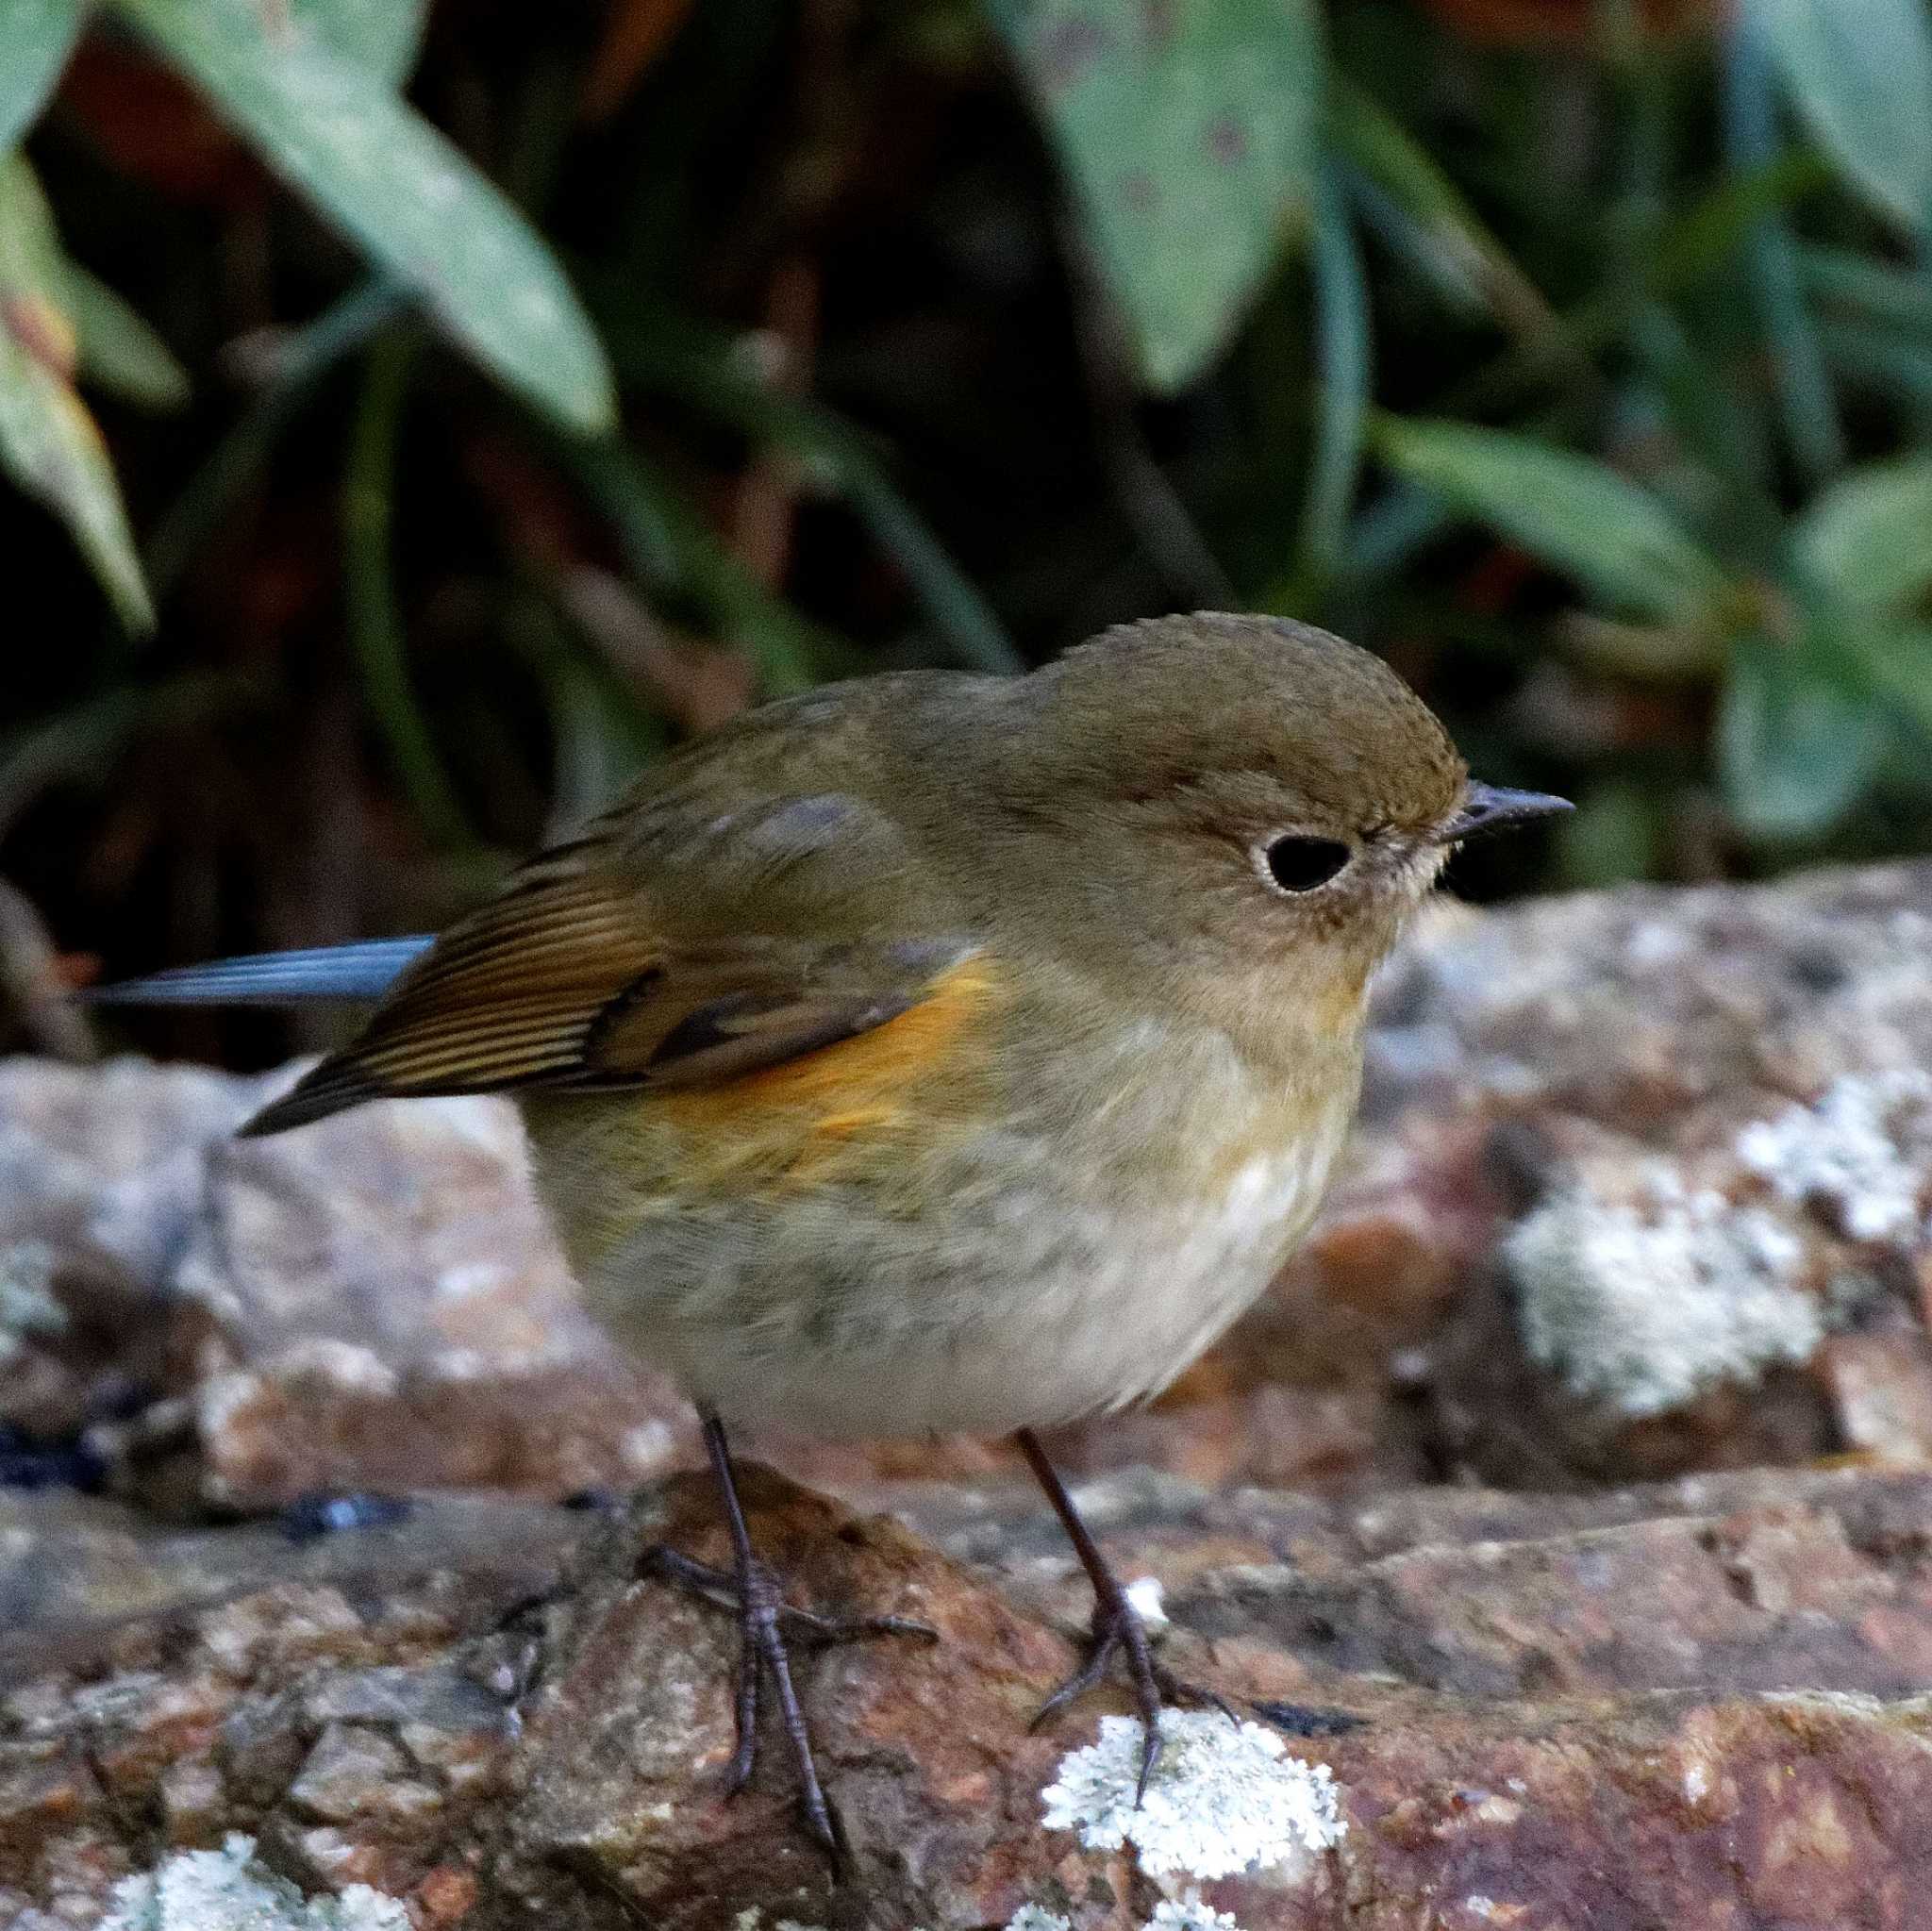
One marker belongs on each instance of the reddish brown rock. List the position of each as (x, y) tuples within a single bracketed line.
[(1700, 1705), (1643, 1184), (373, 1304)]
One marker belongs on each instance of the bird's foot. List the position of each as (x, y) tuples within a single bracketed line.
[(765, 1621), (1118, 1630)]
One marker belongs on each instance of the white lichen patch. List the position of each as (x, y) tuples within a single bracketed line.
[(1031, 1918), (1148, 1600), (1863, 1151), (1649, 1301), (1190, 1914), (227, 1891), (1223, 1797)]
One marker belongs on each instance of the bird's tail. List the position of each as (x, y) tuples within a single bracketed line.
[(365, 970)]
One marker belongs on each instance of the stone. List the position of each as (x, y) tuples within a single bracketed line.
[(1556, 1528), (1699, 1704), (373, 1304), (1641, 1185)]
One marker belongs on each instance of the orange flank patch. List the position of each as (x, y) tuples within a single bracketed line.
[(799, 1116)]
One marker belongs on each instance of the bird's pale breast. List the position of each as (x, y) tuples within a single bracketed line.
[(958, 1221)]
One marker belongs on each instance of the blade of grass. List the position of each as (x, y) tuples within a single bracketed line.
[(1714, 424), (1345, 352), (838, 458), (82, 743), (1799, 371), (1392, 530), (303, 360), (375, 628), (1457, 244), (661, 528), (1690, 248)]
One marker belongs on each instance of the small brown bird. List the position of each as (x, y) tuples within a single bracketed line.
[(938, 1052)]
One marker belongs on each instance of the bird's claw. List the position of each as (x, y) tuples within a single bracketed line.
[(765, 1621), (1118, 1630)]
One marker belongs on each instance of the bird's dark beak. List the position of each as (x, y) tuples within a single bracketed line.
[(1494, 807)]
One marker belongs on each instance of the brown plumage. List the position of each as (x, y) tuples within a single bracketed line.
[(943, 1052), (661, 946)]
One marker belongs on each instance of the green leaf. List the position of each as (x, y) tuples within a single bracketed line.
[(1868, 539), (1798, 365), (1798, 744), (1345, 351), (50, 447), (117, 349), (384, 36), (398, 188), (1866, 290), (374, 624), (1615, 539), (1189, 132), (111, 343), (1449, 242), (48, 442), (1898, 661), (37, 36), (1860, 74)]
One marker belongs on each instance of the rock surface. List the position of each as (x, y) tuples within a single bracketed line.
[(1460, 1520), (1699, 1704), (373, 1304), (1643, 1185)]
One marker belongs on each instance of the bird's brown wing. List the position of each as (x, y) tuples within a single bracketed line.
[(574, 978)]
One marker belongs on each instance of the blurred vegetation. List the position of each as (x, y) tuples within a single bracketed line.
[(451, 406)]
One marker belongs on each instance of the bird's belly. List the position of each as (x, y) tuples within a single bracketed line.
[(1000, 1303)]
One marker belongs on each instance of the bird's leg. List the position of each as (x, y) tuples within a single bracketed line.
[(764, 1617), (1117, 1627)]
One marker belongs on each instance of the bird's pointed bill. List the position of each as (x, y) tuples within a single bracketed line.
[(1496, 807)]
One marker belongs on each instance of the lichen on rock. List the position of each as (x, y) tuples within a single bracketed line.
[(1863, 1151), (1648, 1300), (1224, 1796), (1190, 1913), (228, 1891)]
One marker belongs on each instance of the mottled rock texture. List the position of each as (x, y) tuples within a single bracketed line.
[(1643, 1185), (373, 1302), (1697, 1704), (1465, 1513)]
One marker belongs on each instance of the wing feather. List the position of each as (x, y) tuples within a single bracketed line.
[(578, 975)]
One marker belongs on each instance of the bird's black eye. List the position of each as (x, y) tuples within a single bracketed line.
[(1300, 865)]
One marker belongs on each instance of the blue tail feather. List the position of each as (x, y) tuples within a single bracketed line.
[(365, 970)]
